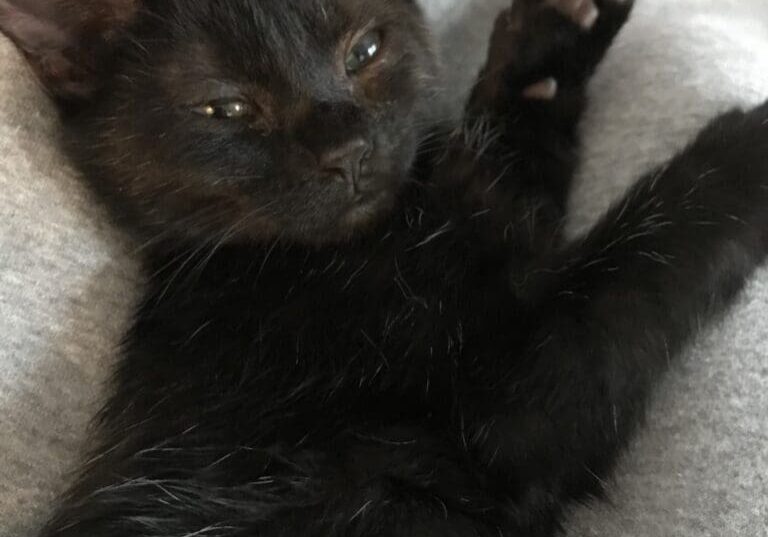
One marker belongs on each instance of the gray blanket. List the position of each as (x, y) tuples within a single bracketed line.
[(68, 280)]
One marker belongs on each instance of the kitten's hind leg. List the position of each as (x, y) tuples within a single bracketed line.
[(517, 150), (616, 307)]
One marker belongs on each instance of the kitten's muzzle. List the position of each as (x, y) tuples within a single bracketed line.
[(345, 163)]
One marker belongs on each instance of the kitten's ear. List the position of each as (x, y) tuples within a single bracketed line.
[(67, 42)]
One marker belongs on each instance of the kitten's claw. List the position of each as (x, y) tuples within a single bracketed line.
[(542, 49), (583, 12), (544, 90)]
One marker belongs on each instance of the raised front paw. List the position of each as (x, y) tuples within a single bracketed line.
[(582, 12), (544, 45)]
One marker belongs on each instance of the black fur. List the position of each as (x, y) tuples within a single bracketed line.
[(448, 369)]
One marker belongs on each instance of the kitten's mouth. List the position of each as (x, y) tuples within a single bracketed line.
[(366, 206), (367, 198)]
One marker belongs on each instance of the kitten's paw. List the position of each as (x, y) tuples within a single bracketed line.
[(549, 44), (582, 12)]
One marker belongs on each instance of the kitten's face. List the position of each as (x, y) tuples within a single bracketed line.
[(233, 119)]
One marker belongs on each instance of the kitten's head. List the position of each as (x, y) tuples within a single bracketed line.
[(231, 119)]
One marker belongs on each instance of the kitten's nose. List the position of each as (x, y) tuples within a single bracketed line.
[(346, 161)]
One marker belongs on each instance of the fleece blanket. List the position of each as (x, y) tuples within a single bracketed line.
[(68, 280)]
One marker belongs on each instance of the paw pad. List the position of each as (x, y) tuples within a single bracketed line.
[(583, 12), (544, 90)]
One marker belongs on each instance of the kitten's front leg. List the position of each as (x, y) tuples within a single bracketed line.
[(616, 307), (544, 49), (517, 151)]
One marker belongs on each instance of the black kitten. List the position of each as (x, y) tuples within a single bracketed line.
[(343, 336)]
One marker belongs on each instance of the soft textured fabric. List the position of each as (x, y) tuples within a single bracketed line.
[(67, 279), (66, 288)]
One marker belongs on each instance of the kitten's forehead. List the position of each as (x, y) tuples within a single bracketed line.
[(277, 36), (286, 47)]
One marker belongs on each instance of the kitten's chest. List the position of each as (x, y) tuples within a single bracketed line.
[(410, 317), (392, 317)]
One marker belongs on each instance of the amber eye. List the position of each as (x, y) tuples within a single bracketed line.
[(225, 109), (363, 51)]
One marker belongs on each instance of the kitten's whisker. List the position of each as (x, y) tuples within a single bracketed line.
[(233, 230), (195, 218), (179, 270)]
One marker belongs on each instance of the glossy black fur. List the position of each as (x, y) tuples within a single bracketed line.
[(453, 371)]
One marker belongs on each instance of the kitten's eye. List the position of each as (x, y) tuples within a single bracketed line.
[(231, 109), (363, 51)]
